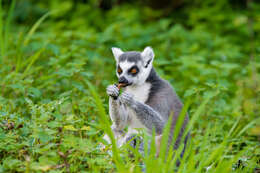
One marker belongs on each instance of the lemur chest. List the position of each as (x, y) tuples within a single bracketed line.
[(140, 93)]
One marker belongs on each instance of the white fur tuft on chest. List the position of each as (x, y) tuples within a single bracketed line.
[(140, 93)]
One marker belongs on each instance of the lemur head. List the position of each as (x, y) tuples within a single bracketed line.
[(133, 68)]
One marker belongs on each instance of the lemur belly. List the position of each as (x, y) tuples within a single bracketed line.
[(141, 94)]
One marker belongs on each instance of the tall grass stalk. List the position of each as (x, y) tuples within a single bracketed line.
[(106, 126), (31, 61), (23, 41), (5, 29), (7, 25), (1, 33), (34, 28), (188, 128)]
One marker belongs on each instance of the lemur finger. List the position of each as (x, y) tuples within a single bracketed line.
[(127, 98), (112, 90), (115, 91), (112, 93)]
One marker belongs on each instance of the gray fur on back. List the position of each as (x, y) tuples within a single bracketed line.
[(162, 96), (165, 101)]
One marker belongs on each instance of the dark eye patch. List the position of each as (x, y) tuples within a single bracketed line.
[(133, 70), (119, 70)]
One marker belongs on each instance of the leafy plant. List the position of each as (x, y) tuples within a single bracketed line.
[(54, 70)]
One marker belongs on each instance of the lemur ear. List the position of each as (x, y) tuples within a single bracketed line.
[(147, 56), (117, 52)]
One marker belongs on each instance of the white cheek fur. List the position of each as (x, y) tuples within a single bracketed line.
[(142, 75)]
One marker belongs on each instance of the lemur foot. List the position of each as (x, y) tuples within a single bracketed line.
[(127, 98), (113, 91)]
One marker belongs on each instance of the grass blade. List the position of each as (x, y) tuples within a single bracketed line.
[(7, 25), (196, 115), (34, 27), (249, 125), (32, 59), (106, 125), (1, 33), (233, 127)]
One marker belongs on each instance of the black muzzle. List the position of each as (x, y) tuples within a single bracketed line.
[(123, 80)]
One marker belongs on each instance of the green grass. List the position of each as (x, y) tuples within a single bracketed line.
[(54, 71)]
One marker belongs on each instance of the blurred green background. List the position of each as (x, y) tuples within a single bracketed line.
[(48, 118)]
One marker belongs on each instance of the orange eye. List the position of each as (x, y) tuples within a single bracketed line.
[(133, 71), (119, 70)]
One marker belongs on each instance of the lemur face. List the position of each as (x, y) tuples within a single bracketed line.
[(133, 67)]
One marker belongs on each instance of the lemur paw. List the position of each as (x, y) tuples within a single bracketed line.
[(127, 98), (113, 91)]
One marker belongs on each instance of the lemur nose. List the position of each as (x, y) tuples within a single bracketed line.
[(122, 80)]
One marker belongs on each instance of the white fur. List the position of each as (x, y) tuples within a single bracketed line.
[(139, 92), (134, 122), (147, 54), (117, 52), (125, 65), (143, 75)]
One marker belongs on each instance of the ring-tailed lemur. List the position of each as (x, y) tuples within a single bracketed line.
[(147, 100)]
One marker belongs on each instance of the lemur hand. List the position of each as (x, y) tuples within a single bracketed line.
[(127, 98), (113, 91)]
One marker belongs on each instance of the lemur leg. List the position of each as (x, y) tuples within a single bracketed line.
[(146, 114), (130, 133), (117, 112)]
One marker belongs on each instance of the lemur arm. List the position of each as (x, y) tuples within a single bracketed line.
[(145, 113), (117, 114), (148, 116)]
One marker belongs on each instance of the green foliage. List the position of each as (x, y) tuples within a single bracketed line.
[(54, 70)]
